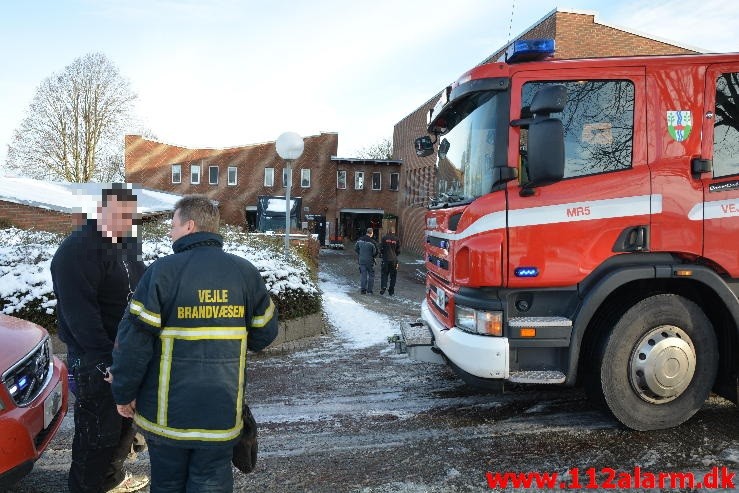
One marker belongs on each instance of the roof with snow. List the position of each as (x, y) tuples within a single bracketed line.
[(78, 197)]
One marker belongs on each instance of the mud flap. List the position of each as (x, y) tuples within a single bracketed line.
[(417, 341)]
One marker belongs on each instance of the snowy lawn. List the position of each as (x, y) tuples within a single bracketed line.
[(26, 287)]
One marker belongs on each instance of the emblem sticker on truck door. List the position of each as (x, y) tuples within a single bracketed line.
[(679, 124)]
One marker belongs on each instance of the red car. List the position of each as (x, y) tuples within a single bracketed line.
[(33, 396)]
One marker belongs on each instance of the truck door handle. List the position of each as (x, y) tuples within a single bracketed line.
[(632, 239)]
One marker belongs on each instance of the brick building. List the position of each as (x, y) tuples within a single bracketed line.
[(577, 34), (339, 196)]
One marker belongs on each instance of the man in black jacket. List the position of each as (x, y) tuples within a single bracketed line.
[(179, 364), (94, 272), (389, 250)]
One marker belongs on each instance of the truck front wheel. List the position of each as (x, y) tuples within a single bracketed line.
[(658, 363)]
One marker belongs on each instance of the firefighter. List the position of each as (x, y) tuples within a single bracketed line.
[(180, 357), (389, 251)]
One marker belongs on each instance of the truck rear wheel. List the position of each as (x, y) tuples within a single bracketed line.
[(657, 365)]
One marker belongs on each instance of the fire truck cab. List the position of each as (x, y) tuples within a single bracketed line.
[(586, 229)]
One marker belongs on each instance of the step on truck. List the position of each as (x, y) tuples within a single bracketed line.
[(585, 229)]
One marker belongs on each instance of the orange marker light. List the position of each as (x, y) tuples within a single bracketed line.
[(528, 332)]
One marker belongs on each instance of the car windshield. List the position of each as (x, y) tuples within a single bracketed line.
[(466, 153)]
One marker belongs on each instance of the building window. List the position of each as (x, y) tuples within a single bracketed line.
[(269, 177), (232, 175), (195, 174), (359, 180), (176, 173), (376, 181), (394, 181), (284, 178), (305, 178), (213, 175), (341, 180)]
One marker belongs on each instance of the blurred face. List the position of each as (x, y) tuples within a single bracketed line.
[(179, 227), (116, 217)]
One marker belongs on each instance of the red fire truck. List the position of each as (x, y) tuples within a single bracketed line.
[(586, 229)]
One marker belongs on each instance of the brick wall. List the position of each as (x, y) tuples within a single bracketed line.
[(576, 36), (28, 217), (579, 36), (352, 198), (150, 163)]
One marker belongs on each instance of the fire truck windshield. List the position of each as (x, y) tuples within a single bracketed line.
[(466, 153)]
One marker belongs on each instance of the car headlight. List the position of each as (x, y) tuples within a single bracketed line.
[(478, 321)]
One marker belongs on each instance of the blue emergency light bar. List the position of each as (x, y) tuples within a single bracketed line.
[(525, 50)]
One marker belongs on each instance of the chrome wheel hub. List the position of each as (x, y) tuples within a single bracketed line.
[(662, 364)]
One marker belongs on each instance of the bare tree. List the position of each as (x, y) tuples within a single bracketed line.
[(381, 150), (73, 129)]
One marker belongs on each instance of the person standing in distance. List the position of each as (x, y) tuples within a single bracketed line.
[(366, 248), (389, 251), (94, 272), (179, 364)]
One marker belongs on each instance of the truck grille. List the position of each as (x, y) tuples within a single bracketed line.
[(27, 379)]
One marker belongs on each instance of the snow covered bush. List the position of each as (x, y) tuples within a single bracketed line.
[(25, 279), (26, 287)]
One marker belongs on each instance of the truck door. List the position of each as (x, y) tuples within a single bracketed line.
[(560, 232), (721, 185)]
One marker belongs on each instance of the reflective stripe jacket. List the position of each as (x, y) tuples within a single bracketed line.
[(181, 347)]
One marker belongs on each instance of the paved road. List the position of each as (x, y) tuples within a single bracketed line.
[(336, 417)]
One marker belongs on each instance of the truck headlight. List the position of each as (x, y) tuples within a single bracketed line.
[(478, 321)]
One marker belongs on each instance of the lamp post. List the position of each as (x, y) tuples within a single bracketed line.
[(289, 146)]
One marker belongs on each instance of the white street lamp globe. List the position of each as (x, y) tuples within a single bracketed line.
[(289, 145)]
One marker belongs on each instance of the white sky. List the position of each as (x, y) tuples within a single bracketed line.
[(217, 73)]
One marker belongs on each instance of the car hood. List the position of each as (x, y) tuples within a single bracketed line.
[(17, 338)]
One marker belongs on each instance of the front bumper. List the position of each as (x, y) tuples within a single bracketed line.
[(478, 355), (26, 431)]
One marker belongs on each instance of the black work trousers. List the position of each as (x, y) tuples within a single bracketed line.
[(102, 437), (389, 269)]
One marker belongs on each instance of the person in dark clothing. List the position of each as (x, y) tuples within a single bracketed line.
[(179, 363), (94, 271), (389, 251), (366, 248)]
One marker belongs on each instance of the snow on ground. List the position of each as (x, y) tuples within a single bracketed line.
[(357, 326)]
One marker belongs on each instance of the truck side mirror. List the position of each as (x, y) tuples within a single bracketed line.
[(443, 148), (424, 146), (546, 151), (548, 100)]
